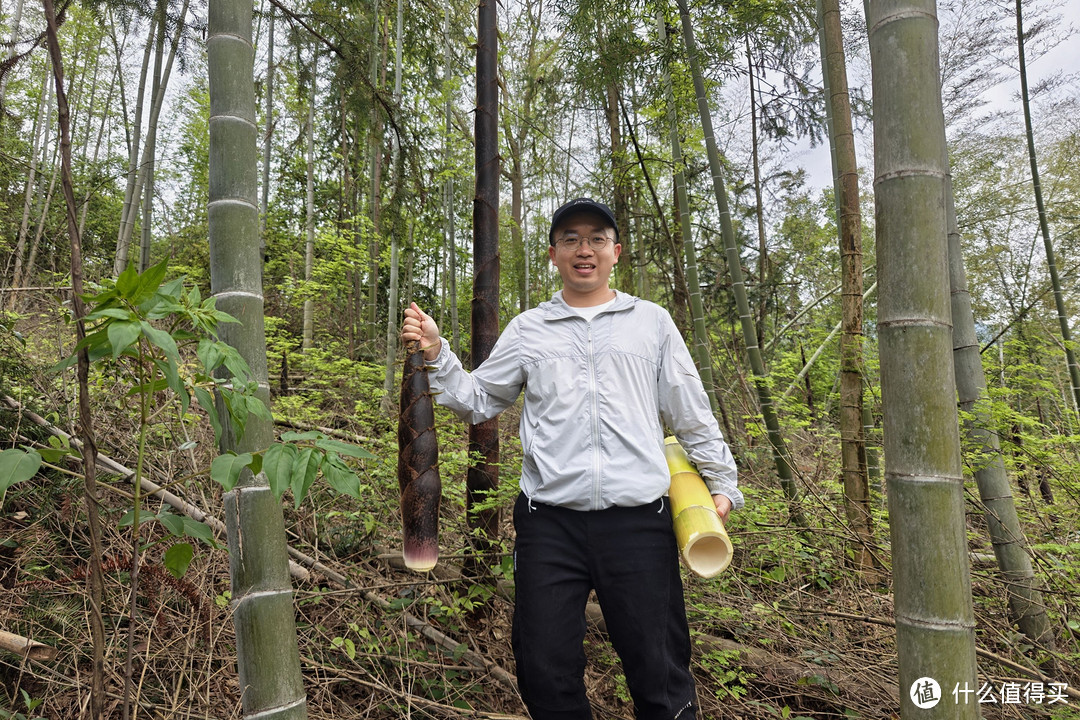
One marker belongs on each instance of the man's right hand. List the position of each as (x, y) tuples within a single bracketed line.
[(420, 326)]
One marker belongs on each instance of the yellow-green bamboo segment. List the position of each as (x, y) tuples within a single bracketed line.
[(703, 542)]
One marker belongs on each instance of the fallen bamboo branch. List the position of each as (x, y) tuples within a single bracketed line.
[(297, 566), (986, 654), (26, 647), (415, 623), (148, 486), (333, 432)]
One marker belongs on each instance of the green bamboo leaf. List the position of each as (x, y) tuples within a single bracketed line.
[(15, 467), (304, 471), (177, 559), (122, 335), (225, 469), (277, 465), (343, 448)]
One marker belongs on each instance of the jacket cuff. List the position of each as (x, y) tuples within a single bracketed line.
[(716, 487), (444, 355)]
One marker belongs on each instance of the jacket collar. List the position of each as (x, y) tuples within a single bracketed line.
[(557, 309)]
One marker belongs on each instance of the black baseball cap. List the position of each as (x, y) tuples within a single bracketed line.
[(582, 205)]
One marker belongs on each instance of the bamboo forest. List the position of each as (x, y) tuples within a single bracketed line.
[(231, 486)]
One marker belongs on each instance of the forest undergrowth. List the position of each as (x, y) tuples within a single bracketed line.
[(790, 630)]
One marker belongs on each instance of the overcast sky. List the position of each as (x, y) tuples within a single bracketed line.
[(1063, 58)]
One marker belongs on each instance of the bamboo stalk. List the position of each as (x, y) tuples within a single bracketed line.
[(26, 647), (703, 542)]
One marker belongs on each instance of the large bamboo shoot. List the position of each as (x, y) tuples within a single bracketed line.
[(418, 465), (699, 532)]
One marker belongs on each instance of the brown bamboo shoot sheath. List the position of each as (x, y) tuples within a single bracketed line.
[(699, 532), (418, 465), (26, 647)]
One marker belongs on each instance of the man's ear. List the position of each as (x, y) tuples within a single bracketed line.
[(551, 253), (618, 250)]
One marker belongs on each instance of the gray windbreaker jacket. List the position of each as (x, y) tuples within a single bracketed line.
[(596, 393)]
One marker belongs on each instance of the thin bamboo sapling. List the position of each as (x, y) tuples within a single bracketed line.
[(418, 464)]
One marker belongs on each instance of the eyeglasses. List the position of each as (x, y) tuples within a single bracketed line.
[(597, 243)]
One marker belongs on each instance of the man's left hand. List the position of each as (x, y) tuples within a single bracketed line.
[(723, 506)]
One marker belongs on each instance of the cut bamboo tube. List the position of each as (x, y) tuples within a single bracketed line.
[(699, 531), (26, 647)]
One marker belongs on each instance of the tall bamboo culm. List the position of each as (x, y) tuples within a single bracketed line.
[(849, 222), (995, 492), (738, 287), (1044, 225), (697, 312), (266, 651), (935, 626)]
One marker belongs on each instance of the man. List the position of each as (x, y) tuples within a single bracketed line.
[(601, 371)]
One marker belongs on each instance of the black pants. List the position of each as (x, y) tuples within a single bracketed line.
[(629, 556)]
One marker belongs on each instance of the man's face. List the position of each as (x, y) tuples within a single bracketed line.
[(585, 270)]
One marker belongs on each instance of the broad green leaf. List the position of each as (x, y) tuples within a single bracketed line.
[(127, 281), (277, 465), (235, 364), (112, 312), (172, 379), (304, 471), (122, 335), (173, 523), (199, 531), (194, 297), (149, 388), (148, 283), (206, 402), (172, 289), (343, 448), (340, 477), (15, 467), (163, 340), (177, 559), (209, 354), (95, 339), (292, 436), (52, 455), (64, 364), (225, 469), (129, 518), (258, 408)]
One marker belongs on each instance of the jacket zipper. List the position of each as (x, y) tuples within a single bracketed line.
[(594, 393)]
